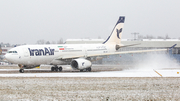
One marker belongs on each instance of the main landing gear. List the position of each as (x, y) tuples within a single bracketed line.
[(56, 69), (86, 70)]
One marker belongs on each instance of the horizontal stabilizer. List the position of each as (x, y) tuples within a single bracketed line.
[(120, 46), (173, 46)]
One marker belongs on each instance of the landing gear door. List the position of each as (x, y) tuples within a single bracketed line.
[(26, 54)]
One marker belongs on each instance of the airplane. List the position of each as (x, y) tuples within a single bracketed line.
[(78, 56)]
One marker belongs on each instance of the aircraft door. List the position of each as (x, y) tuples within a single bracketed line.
[(25, 52)]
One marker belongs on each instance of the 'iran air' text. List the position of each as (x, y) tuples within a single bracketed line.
[(40, 52)]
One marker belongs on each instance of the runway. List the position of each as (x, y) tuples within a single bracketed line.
[(104, 82), (114, 71)]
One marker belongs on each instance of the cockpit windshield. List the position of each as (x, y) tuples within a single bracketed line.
[(12, 52)]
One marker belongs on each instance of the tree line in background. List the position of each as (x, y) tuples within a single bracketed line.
[(153, 37), (137, 36), (42, 41)]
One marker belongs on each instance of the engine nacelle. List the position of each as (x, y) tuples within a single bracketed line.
[(80, 64)]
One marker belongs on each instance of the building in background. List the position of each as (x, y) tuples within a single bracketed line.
[(84, 41)]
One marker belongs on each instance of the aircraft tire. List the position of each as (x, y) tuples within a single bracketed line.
[(89, 69), (85, 70), (52, 69), (21, 70), (56, 69), (60, 68)]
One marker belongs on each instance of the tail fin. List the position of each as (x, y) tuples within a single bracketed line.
[(115, 37)]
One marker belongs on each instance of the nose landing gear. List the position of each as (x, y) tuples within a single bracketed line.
[(21, 70)]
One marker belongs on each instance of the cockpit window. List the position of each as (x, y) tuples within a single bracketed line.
[(12, 52)]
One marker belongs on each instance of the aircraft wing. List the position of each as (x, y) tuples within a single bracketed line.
[(138, 51), (105, 54), (127, 52), (113, 53)]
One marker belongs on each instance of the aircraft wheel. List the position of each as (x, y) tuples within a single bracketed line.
[(21, 70), (56, 69), (89, 69), (60, 68), (85, 70), (52, 69)]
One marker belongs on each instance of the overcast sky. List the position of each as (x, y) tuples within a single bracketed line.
[(26, 21)]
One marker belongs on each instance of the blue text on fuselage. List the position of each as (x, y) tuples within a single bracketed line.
[(40, 52)]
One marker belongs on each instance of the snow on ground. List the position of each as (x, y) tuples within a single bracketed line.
[(90, 89), (124, 73)]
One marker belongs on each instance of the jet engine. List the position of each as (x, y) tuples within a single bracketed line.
[(80, 63)]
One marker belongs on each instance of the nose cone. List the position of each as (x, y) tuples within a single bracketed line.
[(10, 58), (7, 57)]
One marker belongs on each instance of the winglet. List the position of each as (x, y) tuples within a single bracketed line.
[(172, 46)]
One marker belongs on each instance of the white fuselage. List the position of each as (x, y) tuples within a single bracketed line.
[(49, 54), (79, 56)]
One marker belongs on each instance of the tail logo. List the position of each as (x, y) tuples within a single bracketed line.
[(118, 31)]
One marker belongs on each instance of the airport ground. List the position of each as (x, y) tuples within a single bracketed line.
[(87, 88), (66, 69), (90, 89)]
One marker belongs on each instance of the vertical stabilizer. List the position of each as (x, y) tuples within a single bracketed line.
[(115, 37)]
